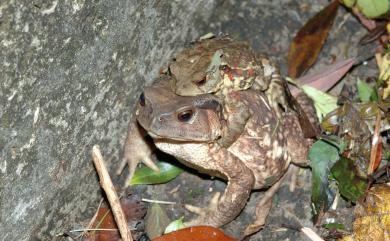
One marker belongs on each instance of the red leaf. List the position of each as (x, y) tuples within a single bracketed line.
[(328, 77), (132, 209), (376, 148), (309, 40), (199, 233)]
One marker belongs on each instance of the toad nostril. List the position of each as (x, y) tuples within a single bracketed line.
[(201, 81), (142, 99)]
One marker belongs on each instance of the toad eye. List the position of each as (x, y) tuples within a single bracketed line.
[(142, 99), (185, 116), (201, 82)]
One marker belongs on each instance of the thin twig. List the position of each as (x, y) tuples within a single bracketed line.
[(156, 201), (93, 229), (109, 189), (295, 224), (305, 230), (294, 171), (92, 221), (311, 234)]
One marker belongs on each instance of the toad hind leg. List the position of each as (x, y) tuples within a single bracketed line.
[(263, 208), (240, 183)]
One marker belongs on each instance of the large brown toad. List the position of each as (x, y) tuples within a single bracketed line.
[(189, 127), (221, 65)]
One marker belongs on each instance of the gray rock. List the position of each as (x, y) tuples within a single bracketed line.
[(70, 73)]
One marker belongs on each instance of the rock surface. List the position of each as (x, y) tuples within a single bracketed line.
[(70, 73)]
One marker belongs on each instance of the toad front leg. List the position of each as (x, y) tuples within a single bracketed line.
[(136, 150), (272, 83), (238, 116), (240, 183)]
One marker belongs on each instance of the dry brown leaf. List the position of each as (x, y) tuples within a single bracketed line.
[(309, 40), (376, 147), (156, 221), (384, 72), (133, 210), (372, 221)]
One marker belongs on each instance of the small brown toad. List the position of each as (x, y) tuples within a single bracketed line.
[(220, 65), (189, 128)]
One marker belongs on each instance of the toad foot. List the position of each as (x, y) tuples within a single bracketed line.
[(263, 208), (203, 213), (137, 150)]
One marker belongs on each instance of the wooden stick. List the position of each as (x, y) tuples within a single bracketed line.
[(108, 187)]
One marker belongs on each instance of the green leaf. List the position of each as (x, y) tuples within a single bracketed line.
[(175, 225), (323, 102), (322, 156), (366, 92), (373, 8), (145, 175), (338, 226), (351, 186), (335, 141), (349, 3), (156, 221)]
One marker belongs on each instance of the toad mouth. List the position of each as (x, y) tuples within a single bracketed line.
[(175, 139)]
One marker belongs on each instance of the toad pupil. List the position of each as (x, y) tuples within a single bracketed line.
[(185, 116), (142, 99)]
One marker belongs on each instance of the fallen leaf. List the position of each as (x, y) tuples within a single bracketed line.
[(384, 72), (133, 210), (345, 119), (368, 110), (374, 34), (368, 23), (373, 8), (351, 186), (372, 219), (156, 221), (349, 3), (331, 122), (366, 92), (338, 226), (328, 76), (198, 233), (376, 147), (356, 133), (308, 129), (322, 156), (145, 175), (323, 102), (309, 40), (175, 225)]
